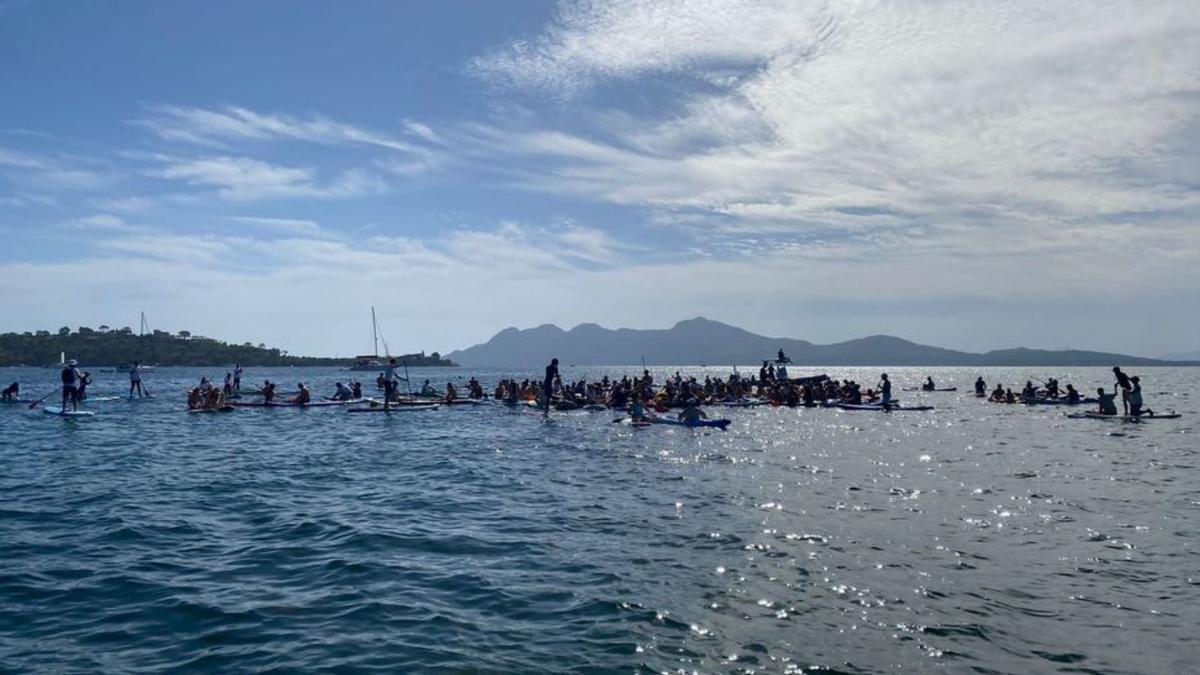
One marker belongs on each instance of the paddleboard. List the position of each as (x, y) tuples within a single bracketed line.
[(55, 410), (718, 424), (924, 389), (888, 408), (224, 408), (1123, 418), (403, 408)]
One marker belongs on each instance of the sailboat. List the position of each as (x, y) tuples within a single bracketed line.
[(370, 362), (126, 367)]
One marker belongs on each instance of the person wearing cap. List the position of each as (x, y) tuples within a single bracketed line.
[(70, 386), (692, 413), (885, 390)]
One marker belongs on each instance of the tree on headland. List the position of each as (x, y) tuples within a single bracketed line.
[(64, 331)]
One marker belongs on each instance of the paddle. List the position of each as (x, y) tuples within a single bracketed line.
[(35, 403)]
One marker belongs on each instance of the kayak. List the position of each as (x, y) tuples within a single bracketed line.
[(224, 408), (55, 410), (403, 408), (1123, 418)]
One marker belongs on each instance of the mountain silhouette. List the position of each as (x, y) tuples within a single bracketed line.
[(700, 341)]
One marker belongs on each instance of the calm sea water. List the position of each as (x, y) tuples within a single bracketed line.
[(975, 538)]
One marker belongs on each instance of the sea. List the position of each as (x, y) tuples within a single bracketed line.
[(973, 538)]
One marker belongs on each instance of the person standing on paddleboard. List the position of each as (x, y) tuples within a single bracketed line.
[(548, 384), (237, 377), (885, 390), (70, 386), (1124, 385), (135, 380), (389, 383)]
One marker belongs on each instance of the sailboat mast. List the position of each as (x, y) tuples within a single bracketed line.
[(374, 331)]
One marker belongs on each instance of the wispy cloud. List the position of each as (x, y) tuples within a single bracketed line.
[(245, 179), (288, 226), (232, 123)]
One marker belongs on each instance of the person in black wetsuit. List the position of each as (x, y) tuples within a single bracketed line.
[(548, 383), (980, 387), (885, 390), (11, 392), (1124, 385)]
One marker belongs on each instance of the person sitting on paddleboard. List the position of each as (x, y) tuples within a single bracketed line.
[(1135, 399), (135, 379), (929, 385), (692, 413), (70, 384), (303, 396), (1029, 393), (1106, 403), (356, 389), (1073, 397), (343, 393), (637, 411), (980, 386), (268, 391), (195, 401), (781, 358), (10, 392), (998, 393), (1009, 396), (428, 390), (885, 390), (451, 392), (1052, 388), (1124, 385)]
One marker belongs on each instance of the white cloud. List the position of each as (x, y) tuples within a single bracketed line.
[(969, 125), (244, 179), (215, 126), (290, 226)]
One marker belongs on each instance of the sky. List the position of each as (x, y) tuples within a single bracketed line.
[(973, 175)]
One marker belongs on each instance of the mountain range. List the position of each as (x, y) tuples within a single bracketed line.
[(703, 342)]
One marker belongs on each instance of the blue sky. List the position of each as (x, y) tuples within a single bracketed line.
[(972, 176)]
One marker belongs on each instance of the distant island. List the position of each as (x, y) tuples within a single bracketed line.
[(704, 342), (114, 347)]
